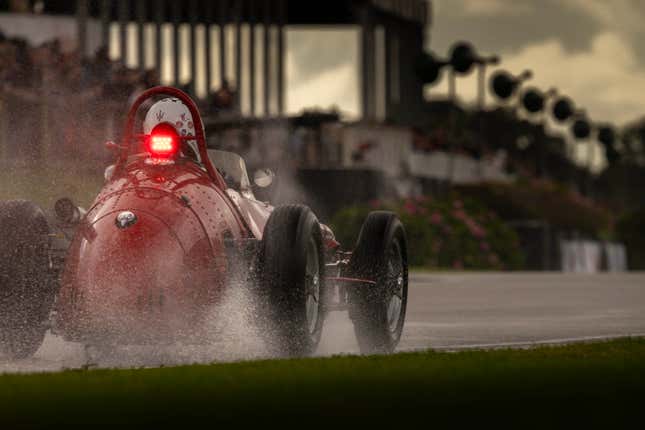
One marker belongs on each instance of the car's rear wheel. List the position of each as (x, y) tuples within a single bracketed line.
[(291, 281), (378, 310), (27, 287)]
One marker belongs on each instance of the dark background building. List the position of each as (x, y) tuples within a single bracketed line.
[(392, 38)]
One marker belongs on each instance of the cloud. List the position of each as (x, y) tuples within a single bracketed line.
[(335, 87), (314, 51), (607, 80), (626, 15), (509, 25), (495, 8), (322, 70), (623, 17), (495, 25)]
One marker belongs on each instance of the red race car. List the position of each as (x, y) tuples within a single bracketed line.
[(176, 225)]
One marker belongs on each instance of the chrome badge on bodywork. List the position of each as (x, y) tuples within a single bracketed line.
[(125, 219)]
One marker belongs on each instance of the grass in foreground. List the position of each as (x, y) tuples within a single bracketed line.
[(592, 384)]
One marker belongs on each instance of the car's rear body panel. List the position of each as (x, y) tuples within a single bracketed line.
[(156, 278)]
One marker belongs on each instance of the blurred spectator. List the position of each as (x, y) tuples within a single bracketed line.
[(223, 100), (50, 97), (19, 6), (139, 82), (98, 71)]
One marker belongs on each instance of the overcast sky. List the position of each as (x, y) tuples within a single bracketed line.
[(591, 50)]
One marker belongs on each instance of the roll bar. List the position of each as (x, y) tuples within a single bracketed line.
[(129, 135)]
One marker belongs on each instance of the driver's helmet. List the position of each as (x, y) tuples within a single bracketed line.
[(173, 112)]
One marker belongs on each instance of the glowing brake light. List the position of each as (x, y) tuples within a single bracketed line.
[(163, 142)]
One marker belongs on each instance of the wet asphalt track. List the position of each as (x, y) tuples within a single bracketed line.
[(455, 311), (445, 311)]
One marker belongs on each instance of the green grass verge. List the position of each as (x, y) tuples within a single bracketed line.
[(585, 384)]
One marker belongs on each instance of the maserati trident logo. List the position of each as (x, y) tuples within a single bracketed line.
[(125, 219)]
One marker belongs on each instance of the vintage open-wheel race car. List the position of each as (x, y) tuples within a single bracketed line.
[(175, 225)]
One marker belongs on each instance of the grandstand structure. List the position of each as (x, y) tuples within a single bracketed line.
[(250, 34)]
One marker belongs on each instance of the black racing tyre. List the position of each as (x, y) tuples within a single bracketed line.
[(292, 281), (26, 286), (378, 311)]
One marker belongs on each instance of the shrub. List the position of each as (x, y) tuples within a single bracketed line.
[(451, 233), (542, 200)]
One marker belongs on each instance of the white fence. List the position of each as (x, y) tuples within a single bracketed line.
[(586, 256), (390, 150)]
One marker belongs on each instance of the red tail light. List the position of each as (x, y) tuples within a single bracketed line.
[(163, 141)]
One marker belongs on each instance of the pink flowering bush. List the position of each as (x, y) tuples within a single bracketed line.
[(452, 233), (543, 200)]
